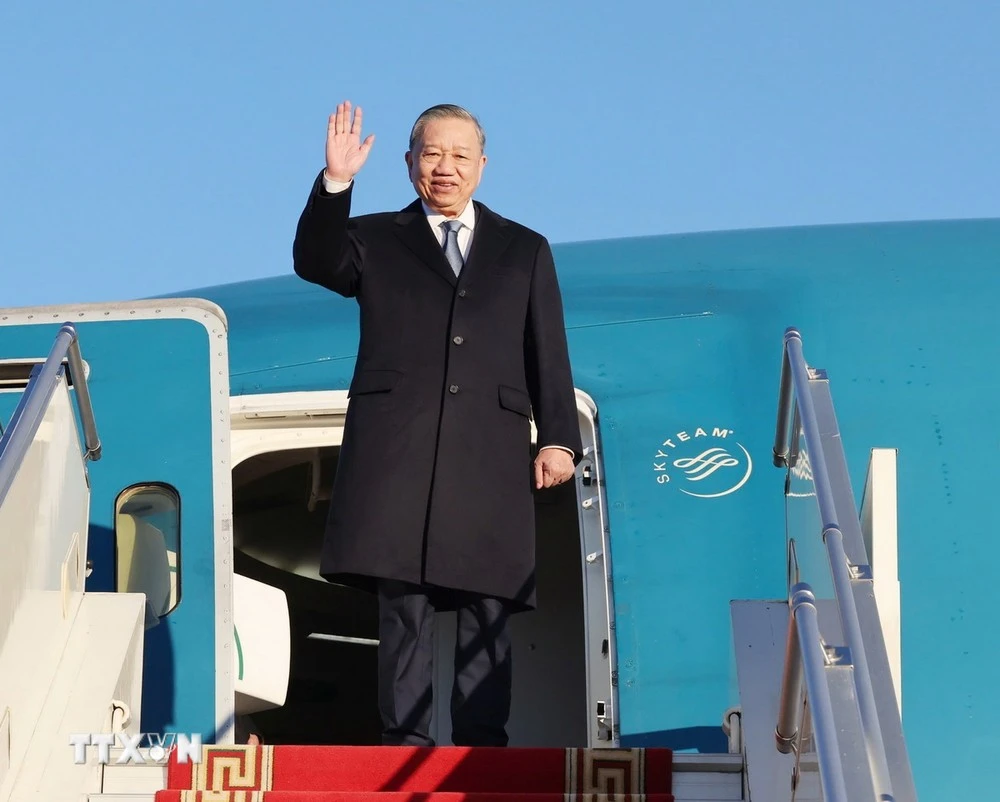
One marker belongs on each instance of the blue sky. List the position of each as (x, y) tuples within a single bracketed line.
[(154, 147)]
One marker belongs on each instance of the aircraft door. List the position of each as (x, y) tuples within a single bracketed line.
[(160, 508)]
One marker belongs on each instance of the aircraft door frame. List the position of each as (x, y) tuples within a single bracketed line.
[(314, 419), (200, 357)]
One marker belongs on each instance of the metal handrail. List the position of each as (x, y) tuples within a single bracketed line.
[(794, 386), (805, 659), (781, 436), (34, 402)]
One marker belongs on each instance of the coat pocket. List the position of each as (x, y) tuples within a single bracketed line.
[(374, 381), (515, 400)]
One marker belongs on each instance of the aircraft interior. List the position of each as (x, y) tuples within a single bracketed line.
[(280, 508)]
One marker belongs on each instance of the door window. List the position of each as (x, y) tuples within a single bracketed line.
[(147, 544)]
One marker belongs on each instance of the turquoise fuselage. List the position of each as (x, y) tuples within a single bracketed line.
[(678, 341)]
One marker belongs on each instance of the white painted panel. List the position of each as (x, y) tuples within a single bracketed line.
[(759, 634), (879, 528), (263, 649), (101, 661), (43, 544), (4, 743)]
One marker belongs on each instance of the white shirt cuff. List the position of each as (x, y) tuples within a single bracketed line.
[(333, 187), (561, 448)]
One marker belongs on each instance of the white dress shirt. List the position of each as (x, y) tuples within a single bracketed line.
[(434, 220), (468, 220)]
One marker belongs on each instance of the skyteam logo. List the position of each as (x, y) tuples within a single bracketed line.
[(705, 463)]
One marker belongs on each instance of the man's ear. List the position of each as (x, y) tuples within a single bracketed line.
[(408, 158)]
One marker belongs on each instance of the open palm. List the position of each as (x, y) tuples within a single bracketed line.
[(345, 152)]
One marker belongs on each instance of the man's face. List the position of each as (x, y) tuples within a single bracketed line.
[(446, 164)]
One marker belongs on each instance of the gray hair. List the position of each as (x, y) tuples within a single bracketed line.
[(445, 111)]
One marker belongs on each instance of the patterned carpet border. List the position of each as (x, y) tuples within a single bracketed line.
[(578, 774)]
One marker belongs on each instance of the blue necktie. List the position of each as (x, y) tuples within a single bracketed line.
[(451, 249)]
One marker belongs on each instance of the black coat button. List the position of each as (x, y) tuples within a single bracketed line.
[(453, 389), (461, 293), (458, 340)]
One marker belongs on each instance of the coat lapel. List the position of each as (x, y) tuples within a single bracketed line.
[(415, 234), (489, 240)]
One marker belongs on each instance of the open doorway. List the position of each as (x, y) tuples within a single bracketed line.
[(278, 535), (280, 509)]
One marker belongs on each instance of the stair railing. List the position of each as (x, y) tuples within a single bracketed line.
[(806, 653), (30, 411)]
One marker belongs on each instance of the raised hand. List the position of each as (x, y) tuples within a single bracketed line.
[(345, 152)]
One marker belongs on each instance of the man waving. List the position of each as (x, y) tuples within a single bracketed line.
[(462, 343)]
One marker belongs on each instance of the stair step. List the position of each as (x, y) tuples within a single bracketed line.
[(133, 778), (708, 778)]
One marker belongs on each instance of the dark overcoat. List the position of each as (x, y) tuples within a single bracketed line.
[(434, 483)]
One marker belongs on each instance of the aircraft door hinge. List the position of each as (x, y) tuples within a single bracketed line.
[(603, 723)]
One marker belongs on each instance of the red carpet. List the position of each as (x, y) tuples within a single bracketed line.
[(389, 796), (413, 774)]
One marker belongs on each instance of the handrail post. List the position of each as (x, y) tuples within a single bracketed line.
[(781, 433), (17, 439), (805, 621), (793, 568), (789, 706), (79, 377)]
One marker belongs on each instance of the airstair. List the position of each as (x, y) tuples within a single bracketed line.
[(831, 728), (64, 656), (818, 671)]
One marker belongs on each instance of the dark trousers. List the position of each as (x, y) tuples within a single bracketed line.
[(480, 698)]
